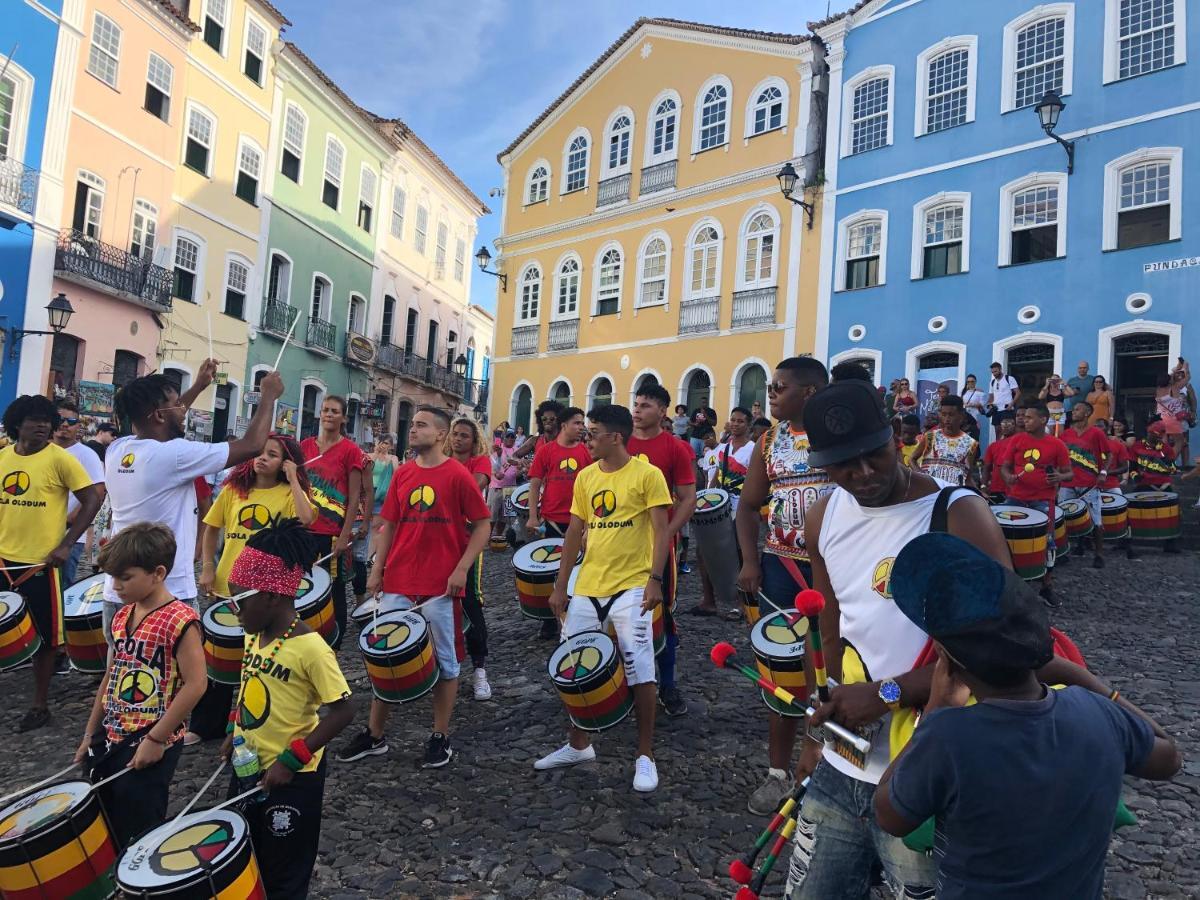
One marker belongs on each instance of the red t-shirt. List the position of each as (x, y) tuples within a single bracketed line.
[(672, 456), (994, 457), (1044, 453), (1087, 452), (481, 465), (1153, 465), (557, 467), (330, 479), (431, 509), (1118, 455)]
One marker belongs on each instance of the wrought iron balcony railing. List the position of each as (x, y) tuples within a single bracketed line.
[(525, 340), (700, 315), (564, 335), (754, 307), (411, 365), (613, 190), (659, 177), (81, 258), (321, 334), (278, 316), (18, 185)]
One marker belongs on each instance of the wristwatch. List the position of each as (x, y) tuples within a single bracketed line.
[(889, 693)]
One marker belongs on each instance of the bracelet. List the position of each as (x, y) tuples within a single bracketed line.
[(288, 758), (152, 739), (1114, 695), (657, 578), (301, 751), (229, 728)]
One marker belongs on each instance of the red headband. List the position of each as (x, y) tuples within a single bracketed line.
[(261, 571)]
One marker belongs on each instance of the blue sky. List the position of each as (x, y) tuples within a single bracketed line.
[(468, 77)]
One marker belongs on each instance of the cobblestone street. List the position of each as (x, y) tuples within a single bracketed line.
[(489, 826)]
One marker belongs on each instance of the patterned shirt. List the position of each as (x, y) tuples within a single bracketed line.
[(946, 457), (144, 677), (794, 488), (330, 479)]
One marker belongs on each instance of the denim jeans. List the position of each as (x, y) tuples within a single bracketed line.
[(838, 844), (71, 566)]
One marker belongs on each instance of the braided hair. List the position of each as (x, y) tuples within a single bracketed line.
[(136, 401), (288, 540), (241, 478)]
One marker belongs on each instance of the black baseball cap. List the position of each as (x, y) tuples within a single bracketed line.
[(843, 421), (985, 615)]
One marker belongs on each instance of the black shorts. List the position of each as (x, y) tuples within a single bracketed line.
[(43, 597)]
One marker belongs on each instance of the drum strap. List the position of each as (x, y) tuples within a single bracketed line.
[(602, 610), (794, 571), (29, 572)]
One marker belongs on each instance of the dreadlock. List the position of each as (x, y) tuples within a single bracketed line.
[(242, 477), (29, 406), (137, 400), (288, 540)]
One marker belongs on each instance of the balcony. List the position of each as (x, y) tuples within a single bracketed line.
[(278, 316), (525, 340), (320, 335), (754, 307), (390, 358), (564, 335), (697, 316), (658, 178), (18, 185), (417, 368), (613, 190), (110, 269)]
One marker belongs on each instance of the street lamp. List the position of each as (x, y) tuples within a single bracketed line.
[(787, 184), (1048, 110), (483, 258), (460, 365), (59, 312)]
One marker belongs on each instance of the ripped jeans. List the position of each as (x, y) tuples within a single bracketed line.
[(838, 844)]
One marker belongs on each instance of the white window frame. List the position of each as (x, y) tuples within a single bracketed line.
[(1008, 64), (557, 315), (843, 245), (649, 157), (148, 213), (1008, 195), (1112, 40), (535, 283), (441, 243), (526, 196), (587, 161), (712, 82), (607, 171), (362, 301), (888, 72), (251, 20), (94, 47), (460, 259), (331, 140), (367, 174), (968, 42), (665, 303), (421, 227), (245, 141), (100, 187), (201, 260), (18, 131), (150, 58), (285, 284), (326, 305), (772, 280), (298, 151), (399, 211), (193, 107), (944, 198), (752, 106), (1112, 189), (230, 260), (204, 14), (604, 250), (690, 246)]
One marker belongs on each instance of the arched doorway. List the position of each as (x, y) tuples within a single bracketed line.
[(601, 393), (405, 411), (752, 386), (561, 393), (697, 390), (65, 352), (310, 410), (522, 407), (934, 369), (1138, 360), (1031, 365)]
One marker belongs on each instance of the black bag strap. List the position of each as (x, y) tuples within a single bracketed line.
[(939, 519)]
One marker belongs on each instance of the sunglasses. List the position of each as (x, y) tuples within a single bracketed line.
[(70, 421), (235, 602)]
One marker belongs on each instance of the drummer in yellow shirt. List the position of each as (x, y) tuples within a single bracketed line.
[(623, 503)]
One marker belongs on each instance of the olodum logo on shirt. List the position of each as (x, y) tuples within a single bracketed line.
[(422, 497), (254, 516), (568, 465), (127, 462), (15, 483), (604, 503), (881, 578)]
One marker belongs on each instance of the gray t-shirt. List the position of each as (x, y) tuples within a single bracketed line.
[(1082, 385)]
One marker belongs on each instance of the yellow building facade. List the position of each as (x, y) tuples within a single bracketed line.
[(644, 232)]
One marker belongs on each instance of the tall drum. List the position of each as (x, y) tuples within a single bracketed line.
[(314, 603), (590, 678), (56, 842), (778, 644), (224, 643), (19, 639), (716, 543), (1078, 519), (536, 566), (520, 506), (398, 650), (1114, 516), (83, 618), (1153, 515), (200, 855), (1062, 540), (1025, 531)]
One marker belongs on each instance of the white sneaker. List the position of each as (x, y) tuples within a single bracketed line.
[(483, 690), (566, 755), (645, 775)]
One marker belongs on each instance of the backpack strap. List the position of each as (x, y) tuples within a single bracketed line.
[(939, 519)]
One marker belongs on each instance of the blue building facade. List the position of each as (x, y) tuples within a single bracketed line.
[(28, 44), (954, 235)]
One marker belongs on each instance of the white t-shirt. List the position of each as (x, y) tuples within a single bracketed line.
[(1002, 391), (90, 460), (153, 481), (710, 462)]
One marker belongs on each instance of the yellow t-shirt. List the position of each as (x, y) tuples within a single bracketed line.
[(240, 517), (615, 509), (33, 500), (906, 452), (277, 706)]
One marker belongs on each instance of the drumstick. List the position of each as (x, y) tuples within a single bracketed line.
[(313, 460), (242, 796), (275, 368), (34, 787), (751, 892), (741, 869), (113, 777), (327, 556), (809, 604), (200, 793)]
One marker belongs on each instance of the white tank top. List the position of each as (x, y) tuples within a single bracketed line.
[(859, 545)]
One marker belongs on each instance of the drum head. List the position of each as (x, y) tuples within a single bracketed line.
[(1112, 503), (12, 606), (711, 499), (520, 498), (1019, 516), (539, 557), (220, 620), (21, 820), (181, 850), (1073, 507), (1060, 515), (780, 636), (84, 597), (313, 586), (1164, 497), (579, 657), (392, 631), (365, 610)]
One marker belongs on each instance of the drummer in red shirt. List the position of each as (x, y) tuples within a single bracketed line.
[(552, 475), (1088, 449), (1118, 460), (1035, 464), (993, 459)]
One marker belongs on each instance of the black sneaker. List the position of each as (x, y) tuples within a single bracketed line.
[(437, 751), (62, 665), (1050, 599), (33, 720), (671, 700), (549, 630), (362, 744), (1097, 562)]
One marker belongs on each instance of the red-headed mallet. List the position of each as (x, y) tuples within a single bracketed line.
[(809, 604)]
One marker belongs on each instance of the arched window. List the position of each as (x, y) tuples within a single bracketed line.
[(1038, 55), (759, 238), (567, 290), (714, 117), (704, 262), (1143, 193), (561, 392), (321, 300), (531, 295), (356, 321), (868, 112), (539, 184), (862, 250), (575, 164), (697, 389), (663, 127), (601, 393), (946, 84), (653, 272), (608, 282), (522, 407), (769, 109), (617, 141), (941, 235)]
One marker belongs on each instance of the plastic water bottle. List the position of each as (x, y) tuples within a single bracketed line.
[(245, 763)]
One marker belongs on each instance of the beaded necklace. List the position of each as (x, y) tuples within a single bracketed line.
[(270, 658)]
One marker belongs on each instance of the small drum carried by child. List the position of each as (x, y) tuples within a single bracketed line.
[(398, 650), (224, 643), (83, 618), (1114, 516), (314, 603), (1025, 531), (590, 678), (777, 640), (19, 639), (1153, 515)]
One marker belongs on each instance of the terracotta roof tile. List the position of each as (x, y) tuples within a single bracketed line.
[(275, 11), (829, 20), (772, 36), (398, 131), (175, 13), (368, 117)]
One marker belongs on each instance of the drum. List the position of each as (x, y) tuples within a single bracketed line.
[(83, 616), (590, 677), (536, 565), (750, 610), (203, 854), (716, 543), (778, 644), (1114, 516), (657, 628), (398, 650), (1025, 531), (55, 842), (498, 543), (1079, 519), (314, 602), (519, 499), (1062, 542), (1153, 515), (224, 643), (19, 640), (365, 611)]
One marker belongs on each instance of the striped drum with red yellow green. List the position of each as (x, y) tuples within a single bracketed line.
[(314, 602), (55, 842), (1078, 517), (1114, 516), (223, 643), (83, 617), (1062, 542), (398, 650), (536, 566), (1025, 531), (19, 640), (778, 644), (1153, 515), (590, 677)]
